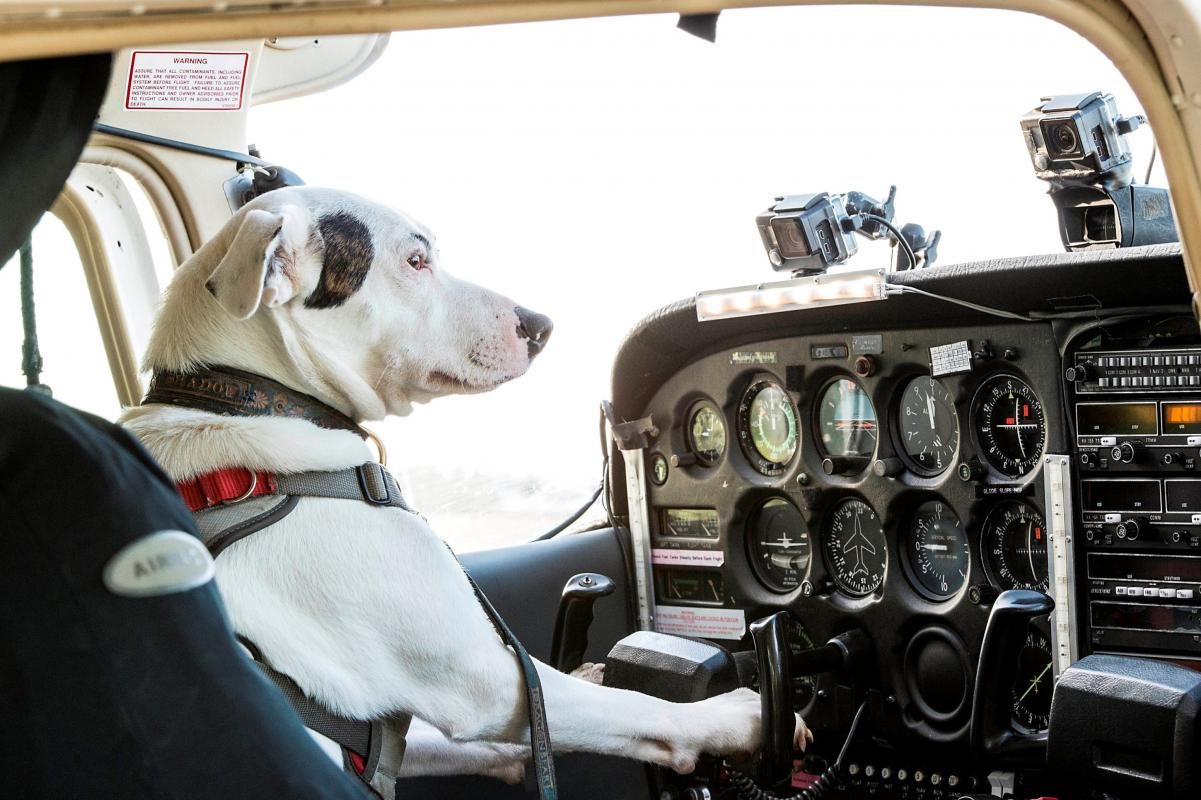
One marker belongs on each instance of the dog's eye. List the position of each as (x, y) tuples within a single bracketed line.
[(417, 261)]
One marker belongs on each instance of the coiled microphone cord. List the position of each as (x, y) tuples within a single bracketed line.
[(747, 790)]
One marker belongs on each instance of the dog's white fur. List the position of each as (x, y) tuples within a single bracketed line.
[(365, 607)]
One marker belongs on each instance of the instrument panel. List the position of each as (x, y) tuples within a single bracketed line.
[(871, 486)]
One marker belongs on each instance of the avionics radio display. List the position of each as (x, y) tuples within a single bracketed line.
[(1116, 419), (1140, 567), (1130, 496), (1145, 617), (1181, 418), (1183, 496)]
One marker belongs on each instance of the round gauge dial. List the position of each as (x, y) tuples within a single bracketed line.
[(855, 549), (938, 551), (928, 426), (1010, 425), (767, 427), (1033, 688), (846, 420), (707, 433), (779, 545), (1015, 547)]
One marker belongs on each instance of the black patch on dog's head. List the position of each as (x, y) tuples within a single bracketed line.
[(348, 253)]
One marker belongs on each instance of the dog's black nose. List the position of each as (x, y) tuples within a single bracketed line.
[(534, 327)]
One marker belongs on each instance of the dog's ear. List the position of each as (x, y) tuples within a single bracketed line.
[(259, 265)]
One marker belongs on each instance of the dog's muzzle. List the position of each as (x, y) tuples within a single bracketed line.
[(534, 327)]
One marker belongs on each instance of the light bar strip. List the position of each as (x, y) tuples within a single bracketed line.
[(812, 292)]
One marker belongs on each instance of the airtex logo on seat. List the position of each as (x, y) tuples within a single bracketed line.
[(160, 563)]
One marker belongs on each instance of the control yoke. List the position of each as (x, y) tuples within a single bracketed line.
[(993, 739), (777, 665)]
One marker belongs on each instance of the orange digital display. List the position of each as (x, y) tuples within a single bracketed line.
[(1181, 417)]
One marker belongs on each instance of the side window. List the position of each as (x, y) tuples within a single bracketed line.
[(75, 366)]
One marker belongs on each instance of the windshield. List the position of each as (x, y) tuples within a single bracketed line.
[(595, 170)]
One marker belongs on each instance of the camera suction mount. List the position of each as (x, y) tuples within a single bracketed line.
[(1077, 144), (806, 234)]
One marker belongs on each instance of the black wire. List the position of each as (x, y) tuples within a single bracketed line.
[(1154, 150), (747, 790), (896, 234), (565, 524), (175, 144)]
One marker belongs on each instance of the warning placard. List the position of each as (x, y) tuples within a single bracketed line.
[(706, 623), (687, 558), (186, 81)]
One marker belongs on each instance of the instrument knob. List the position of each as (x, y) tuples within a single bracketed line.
[(1125, 453), (888, 467), (971, 471), (1128, 529), (1088, 459), (839, 465), (1079, 372), (683, 459), (982, 594), (1172, 459)]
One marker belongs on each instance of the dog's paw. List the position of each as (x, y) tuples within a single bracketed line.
[(512, 772), (735, 726), (508, 763), (802, 737), (593, 673)]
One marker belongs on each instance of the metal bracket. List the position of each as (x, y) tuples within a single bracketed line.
[(632, 439), (1061, 553)]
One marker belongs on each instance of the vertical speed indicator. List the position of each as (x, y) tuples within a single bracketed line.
[(1010, 426), (937, 550)]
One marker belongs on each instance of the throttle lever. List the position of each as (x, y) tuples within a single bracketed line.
[(575, 617), (993, 739)]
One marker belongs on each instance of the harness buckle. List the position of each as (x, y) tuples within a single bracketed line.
[(373, 481)]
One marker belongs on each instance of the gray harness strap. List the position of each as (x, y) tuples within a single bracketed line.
[(221, 526)]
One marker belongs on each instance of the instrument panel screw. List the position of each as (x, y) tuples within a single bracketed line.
[(802, 479)]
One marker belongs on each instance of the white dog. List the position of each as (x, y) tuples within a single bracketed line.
[(364, 607)]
